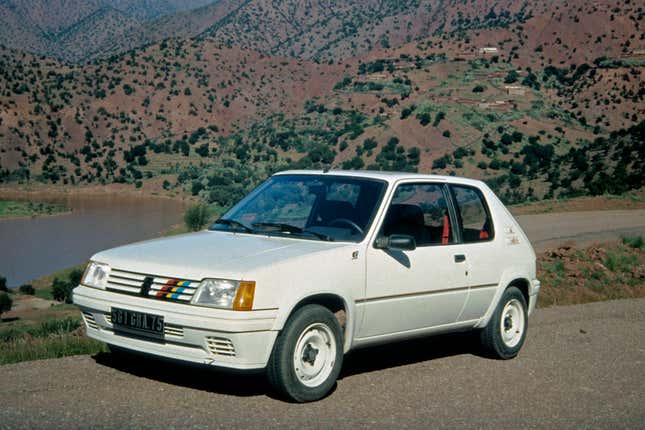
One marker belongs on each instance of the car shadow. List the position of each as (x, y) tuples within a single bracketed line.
[(409, 352), (185, 374), (245, 384)]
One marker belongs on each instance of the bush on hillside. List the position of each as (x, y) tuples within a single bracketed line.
[(27, 289)]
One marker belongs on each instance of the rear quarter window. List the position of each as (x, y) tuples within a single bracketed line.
[(474, 216)]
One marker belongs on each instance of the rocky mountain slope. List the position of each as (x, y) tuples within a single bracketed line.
[(540, 99)]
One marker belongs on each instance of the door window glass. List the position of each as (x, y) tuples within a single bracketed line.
[(421, 211), (475, 219)]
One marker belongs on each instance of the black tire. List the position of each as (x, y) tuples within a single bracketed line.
[(315, 323), (506, 346)]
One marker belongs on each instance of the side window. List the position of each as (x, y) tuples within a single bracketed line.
[(475, 218), (421, 211)]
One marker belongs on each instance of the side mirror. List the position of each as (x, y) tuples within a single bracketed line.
[(397, 242)]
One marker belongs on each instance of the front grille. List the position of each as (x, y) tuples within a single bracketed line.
[(90, 321), (169, 330), (159, 287), (220, 346)]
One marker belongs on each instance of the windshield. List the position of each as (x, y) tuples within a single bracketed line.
[(319, 207)]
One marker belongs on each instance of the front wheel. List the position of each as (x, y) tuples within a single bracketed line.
[(504, 334), (307, 355)]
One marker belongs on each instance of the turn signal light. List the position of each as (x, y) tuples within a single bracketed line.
[(244, 297)]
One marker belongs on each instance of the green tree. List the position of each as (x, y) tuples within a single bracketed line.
[(196, 217), (511, 77), (3, 283), (5, 303), (62, 290), (27, 289)]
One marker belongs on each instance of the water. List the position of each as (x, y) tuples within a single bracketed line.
[(33, 247)]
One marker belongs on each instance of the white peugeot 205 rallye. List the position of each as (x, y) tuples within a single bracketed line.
[(313, 264)]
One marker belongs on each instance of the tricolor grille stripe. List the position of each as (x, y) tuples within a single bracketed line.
[(161, 287)]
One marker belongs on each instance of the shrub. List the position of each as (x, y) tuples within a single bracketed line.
[(440, 115), (3, 283), (424, 118), (62, 288), (5, 303), (512, 77), (406, 112), (27, 289), (196, 217), (636, 242), (479, 89)]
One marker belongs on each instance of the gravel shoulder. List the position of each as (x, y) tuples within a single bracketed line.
[(581, 367)]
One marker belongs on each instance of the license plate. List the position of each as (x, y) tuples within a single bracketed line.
[(137, 323)]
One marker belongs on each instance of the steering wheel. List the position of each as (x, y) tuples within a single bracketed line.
[(348, 222)]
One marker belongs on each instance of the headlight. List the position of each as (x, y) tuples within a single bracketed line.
[(96, 275), (225, 294)]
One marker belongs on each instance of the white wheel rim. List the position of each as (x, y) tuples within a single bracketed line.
[(314, 355), (512, 323)]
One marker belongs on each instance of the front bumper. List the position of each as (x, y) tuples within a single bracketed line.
[(238, 340)]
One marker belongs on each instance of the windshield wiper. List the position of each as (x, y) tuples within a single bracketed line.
[(288, 228), (234, 223)]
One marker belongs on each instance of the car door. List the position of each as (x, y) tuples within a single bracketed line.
[(476, 232), (422, 288)]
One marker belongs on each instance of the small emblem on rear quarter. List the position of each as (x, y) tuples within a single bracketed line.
[(354, 255)]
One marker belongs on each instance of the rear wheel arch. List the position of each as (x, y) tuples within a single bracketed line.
[(523, 285), (512, 278)]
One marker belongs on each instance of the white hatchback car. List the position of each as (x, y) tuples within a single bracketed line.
[(313, 264)]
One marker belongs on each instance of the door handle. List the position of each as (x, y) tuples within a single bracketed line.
[(460, 258)]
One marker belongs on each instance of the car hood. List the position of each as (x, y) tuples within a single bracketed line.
[(210, 254)]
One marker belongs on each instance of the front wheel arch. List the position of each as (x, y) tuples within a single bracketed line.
[(336, 304)]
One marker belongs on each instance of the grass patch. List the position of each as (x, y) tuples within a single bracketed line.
[(27, 349), (11, 209), (635, 242), (53, 338)]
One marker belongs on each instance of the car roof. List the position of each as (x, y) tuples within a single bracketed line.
[(386, 176)]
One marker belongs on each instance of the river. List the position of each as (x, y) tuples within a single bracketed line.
[(33, 247)]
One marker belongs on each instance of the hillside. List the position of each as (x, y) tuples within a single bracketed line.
[(77, 30), (553, 107)]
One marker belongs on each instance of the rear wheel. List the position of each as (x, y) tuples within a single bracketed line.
[(308, 355), (504, 335)]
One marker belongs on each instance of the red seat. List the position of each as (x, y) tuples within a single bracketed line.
[(445, 236)]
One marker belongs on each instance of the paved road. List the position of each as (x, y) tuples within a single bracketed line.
[(553, 229), (582, 367)]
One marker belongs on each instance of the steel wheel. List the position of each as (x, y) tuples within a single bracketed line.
[(511, 324), (505, 332), (314, 355), (307, 355)]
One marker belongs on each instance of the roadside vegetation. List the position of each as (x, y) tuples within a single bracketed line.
[(51, 338), (12, 209), (43, 324), (571, 276)]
